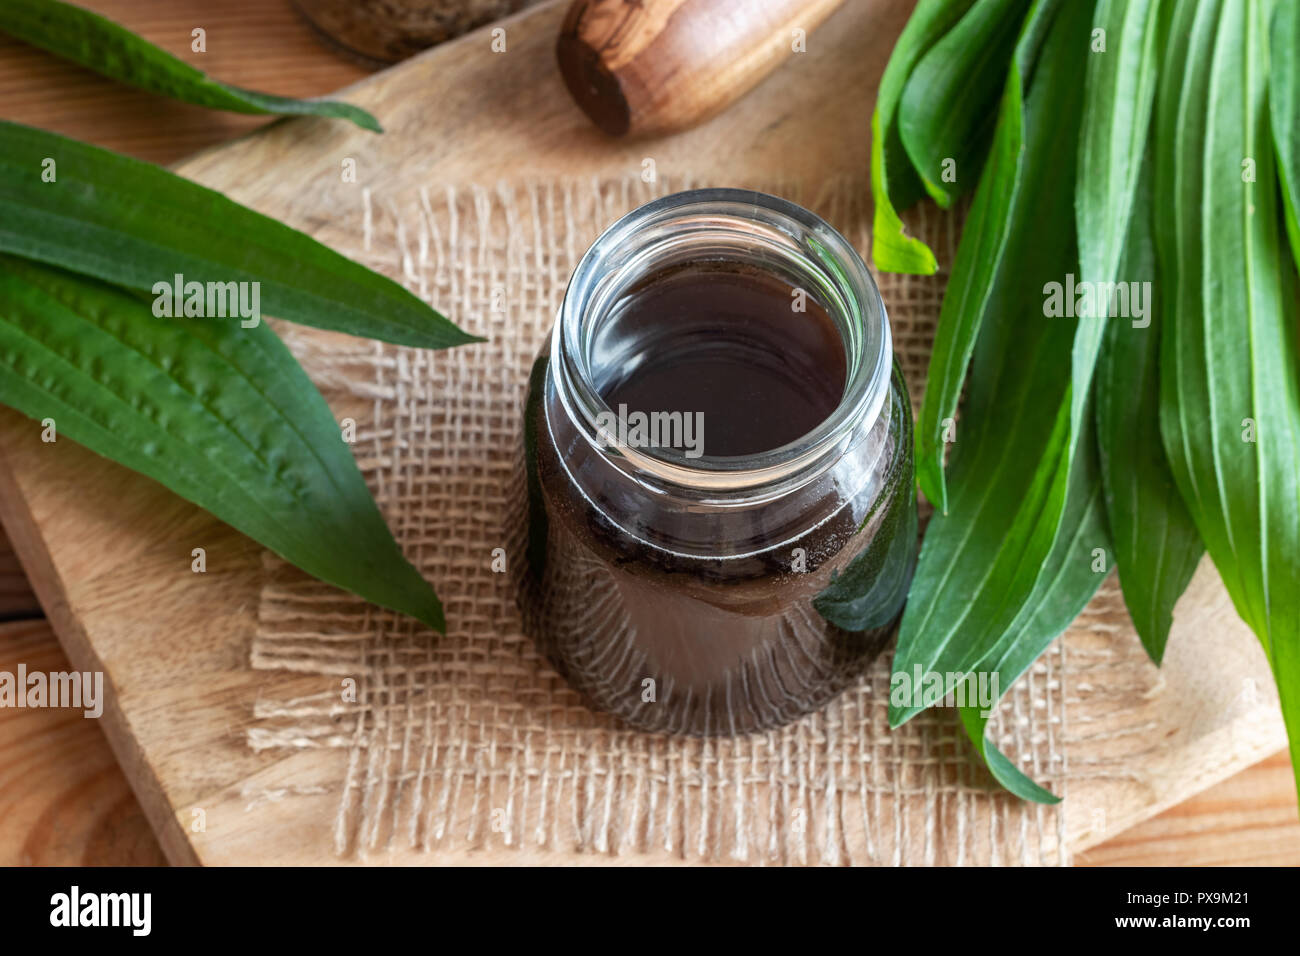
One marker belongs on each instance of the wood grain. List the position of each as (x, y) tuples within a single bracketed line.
[(1250, 819), (260, 44), (646, 69), (17, 599), (188, 703), (63, 799)]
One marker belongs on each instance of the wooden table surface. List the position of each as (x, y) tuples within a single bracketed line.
[(63, 800)]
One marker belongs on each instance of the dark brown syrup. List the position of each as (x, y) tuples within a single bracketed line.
[(759, 359), (726, 640)]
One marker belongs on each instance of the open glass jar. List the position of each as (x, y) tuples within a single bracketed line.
[(722, 519)]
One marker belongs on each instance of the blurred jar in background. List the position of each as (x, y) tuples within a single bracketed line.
[(379, 32)]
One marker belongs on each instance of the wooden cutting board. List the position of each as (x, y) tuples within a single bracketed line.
[(109, 551)]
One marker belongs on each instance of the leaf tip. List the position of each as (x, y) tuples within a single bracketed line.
[(898, 716), (353, 114), (433, 616), (930, 478), (915, 258), (1151, 634)]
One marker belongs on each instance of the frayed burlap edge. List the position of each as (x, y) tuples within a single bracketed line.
[(470, 740)]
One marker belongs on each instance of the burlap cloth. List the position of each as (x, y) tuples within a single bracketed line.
[(471, 740)]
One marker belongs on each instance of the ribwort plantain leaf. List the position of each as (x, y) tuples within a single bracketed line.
[(976, 267), (981, 562), (101, 45), (894, 184), (1229, 366), (1156, 543), (946, 113), (1071, 575), (133, 224), (1119, 93), (1284, 105), (221, 414)]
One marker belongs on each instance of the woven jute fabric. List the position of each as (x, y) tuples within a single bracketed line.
[(471, 740)]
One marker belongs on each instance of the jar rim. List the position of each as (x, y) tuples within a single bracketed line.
[(786, 229)]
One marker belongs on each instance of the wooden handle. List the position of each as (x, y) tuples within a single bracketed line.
[(654, 66)]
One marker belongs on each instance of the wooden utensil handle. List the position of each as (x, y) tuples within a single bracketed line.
[(653, 66)]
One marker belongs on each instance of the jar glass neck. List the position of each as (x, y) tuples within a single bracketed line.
[(757, 230)]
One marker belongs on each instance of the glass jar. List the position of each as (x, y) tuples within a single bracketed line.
[(708, 594)]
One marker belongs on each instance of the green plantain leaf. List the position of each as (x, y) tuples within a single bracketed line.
[(975, 269), (1070, 578), (135, 225), (1157, 546), (101, 45), (979, 564), (220, 414), (1229, 366), (966, 299), (1119, 92), (867, 594), (894, 184), (949, 103), (1284, 101)]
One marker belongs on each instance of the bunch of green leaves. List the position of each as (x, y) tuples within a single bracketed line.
[(214, 408), (1086, 437)]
